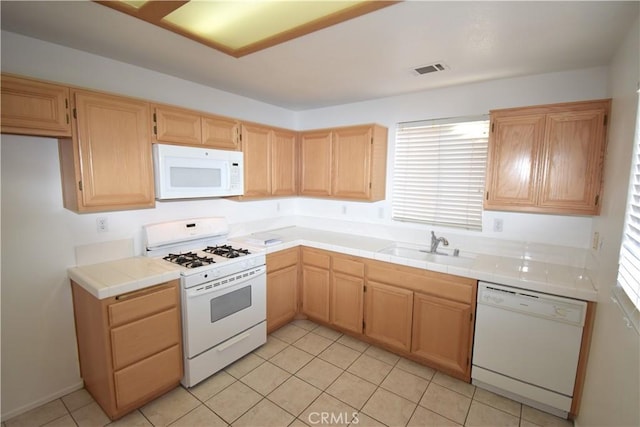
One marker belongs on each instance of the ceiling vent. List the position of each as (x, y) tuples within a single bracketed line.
[(431, 68)]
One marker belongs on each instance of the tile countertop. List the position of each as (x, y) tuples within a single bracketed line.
[(556, 279), (111, 278), (108, 279)]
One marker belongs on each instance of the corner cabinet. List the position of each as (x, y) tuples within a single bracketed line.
[(344, 163), (130, 346), (173, 125), (107, 164), (32, 107), (282, 288), (548, 158), (270, 161)]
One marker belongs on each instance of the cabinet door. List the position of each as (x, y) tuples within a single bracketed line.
[(115, 153), (442, 333), (574, 152), (315, 292), (220, 132), (282, 297), (515, 146), (347, 295), (388, 314), (351, 167), (34, 108), (256, 146), (315, 164), (177, 126), (284, 163)]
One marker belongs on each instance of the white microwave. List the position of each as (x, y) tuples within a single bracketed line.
[(183, 172)]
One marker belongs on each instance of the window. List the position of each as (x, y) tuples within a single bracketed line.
[(439, 172), (629, 264)]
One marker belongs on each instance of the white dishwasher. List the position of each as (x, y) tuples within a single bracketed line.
[(527, 345)]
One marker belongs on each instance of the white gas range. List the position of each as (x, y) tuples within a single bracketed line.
[(223, 292)]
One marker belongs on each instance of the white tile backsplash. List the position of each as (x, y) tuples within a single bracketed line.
[(104, 251)]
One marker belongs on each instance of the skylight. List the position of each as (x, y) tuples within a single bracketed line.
[(241, 27)]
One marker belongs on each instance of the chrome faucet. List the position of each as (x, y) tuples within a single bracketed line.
[(435, 241)]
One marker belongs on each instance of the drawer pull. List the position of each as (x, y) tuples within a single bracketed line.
[(233, 341)]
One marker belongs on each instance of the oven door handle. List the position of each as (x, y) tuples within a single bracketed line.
[(233, 341)]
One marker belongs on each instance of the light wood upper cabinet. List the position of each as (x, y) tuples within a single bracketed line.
[(173, 125), (315, 163), (269, 161), (220, 132), (282, 288), (574, 154), (177, 126), (284, 163), (130, 346), (547, 159), (514, 150), (344, 163), (107, 165), (256, 147), (31, 107)]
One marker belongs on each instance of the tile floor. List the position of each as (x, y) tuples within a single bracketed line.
[(309, 375)]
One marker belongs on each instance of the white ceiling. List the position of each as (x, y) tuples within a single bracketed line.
[(369, 57)]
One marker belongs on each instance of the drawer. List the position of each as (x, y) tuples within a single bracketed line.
[(148, 377), (348, 266), (131, 306), (316, 258), (282, 259), (136, 340)]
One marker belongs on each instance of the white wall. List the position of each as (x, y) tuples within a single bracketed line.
[(39, 359), (612, 387), (461, 101)]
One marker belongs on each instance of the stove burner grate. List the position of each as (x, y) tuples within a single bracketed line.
[(189, 259), (226, 251)]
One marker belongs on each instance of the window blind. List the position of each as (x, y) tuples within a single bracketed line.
[(439, 172), (629, 264)]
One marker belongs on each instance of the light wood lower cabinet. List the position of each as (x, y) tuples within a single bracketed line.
[(388, 314), (423, 315), (316, 284), (442, 332), (347, 293), (282, 288), (130, 346)]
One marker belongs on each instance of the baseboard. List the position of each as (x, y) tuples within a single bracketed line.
[(58, 394)]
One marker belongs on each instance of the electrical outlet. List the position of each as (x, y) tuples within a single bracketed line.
[(381, 213), (596, 241), (344, 209), (102, 225), (498, 225)]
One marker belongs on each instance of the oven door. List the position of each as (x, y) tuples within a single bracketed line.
[(216, 311)]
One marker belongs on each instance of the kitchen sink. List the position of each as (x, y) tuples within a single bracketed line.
[(421, 253)]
